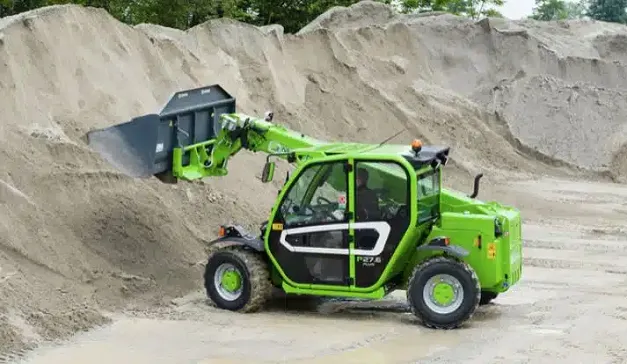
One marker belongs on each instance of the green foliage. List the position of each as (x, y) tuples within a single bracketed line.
[(292, 15), (470, 8), (11, 7), (602, 10), (575, 10), (183, 14), (558, 10), (608, 10)]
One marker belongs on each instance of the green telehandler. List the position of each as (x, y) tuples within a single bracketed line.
[(354, 220)]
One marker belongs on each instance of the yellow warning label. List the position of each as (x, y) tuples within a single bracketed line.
[(277, 226), (491, 250)]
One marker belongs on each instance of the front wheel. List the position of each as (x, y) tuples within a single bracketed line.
[(237, 279), (443, 293)]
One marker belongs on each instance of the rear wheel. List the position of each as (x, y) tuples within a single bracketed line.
[(237, 279), (443, 293)]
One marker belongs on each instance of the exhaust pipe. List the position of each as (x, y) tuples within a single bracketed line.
[(475, 190)]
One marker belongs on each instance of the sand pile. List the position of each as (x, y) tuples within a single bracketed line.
[(558, 88), (76, 236)]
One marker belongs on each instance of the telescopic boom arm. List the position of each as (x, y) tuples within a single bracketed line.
[(238, 132), (198, 131)]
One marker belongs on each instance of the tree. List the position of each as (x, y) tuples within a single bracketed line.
[(549, 10), (470, 8), (608, 10), (557, 10), (292, 15), (479, 8), (575, 10), (12, 7)]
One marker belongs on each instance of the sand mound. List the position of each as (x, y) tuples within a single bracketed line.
[(77, 236), (578, 123), (619, 165)]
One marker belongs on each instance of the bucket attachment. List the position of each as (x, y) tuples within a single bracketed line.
[(143, 146)]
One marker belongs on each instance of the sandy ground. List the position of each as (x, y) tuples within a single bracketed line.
[(568, 308), (516, 100)]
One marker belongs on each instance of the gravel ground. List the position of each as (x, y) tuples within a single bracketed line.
[(568, 308)]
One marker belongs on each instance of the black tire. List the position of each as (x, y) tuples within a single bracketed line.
[(256, 287), (468, 280), (487, 297)]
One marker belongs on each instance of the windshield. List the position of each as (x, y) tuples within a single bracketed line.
[(428, 195), (298, 190)]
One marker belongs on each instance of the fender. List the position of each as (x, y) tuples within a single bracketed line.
[(237, 235), (442, 243)]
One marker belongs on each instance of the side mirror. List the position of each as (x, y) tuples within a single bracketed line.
[(268, 172)]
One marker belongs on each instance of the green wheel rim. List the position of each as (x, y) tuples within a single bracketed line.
[(443, 294), (231, 281), (228, 282)]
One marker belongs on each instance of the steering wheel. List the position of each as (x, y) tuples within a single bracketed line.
[(323, 199), (325, 211), (329, 214), (307, 210)]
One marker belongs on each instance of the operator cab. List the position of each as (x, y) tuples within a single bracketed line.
[(340, 219)]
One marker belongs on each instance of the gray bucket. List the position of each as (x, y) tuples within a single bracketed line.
[(143, 147)]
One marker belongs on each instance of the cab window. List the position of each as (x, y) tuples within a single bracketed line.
[(318, 196), (428, 195)]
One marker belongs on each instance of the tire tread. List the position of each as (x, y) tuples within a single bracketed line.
[(260, 283), (416, 273)]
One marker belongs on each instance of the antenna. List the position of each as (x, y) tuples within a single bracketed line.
[(392, 137)]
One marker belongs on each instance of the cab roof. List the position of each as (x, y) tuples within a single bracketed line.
[(425, 156)]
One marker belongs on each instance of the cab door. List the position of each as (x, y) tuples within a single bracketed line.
[(382, 217), (309, 231)]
